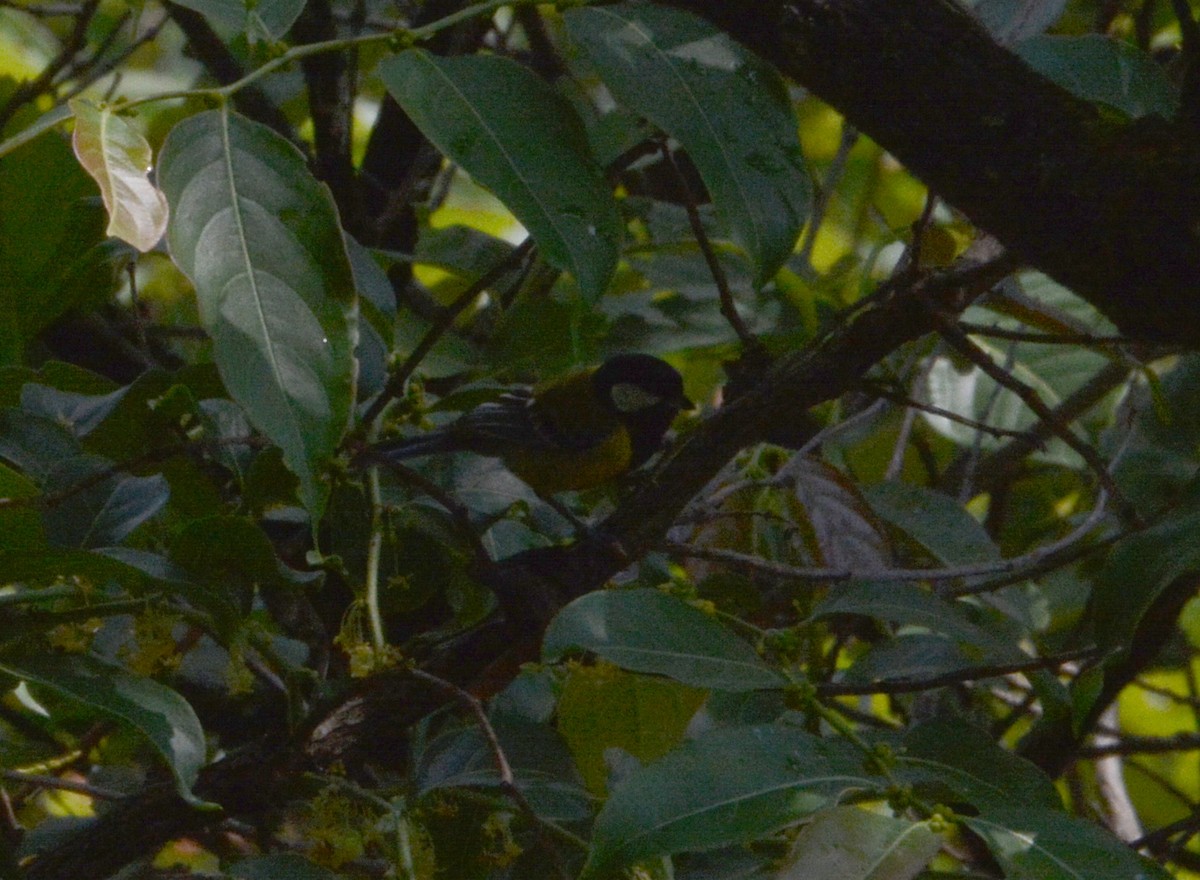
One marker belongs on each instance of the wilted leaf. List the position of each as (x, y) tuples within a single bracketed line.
[(118, 158)]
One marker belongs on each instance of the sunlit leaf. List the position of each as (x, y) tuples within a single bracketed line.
[(118, 158), (517, 136), (602, 707), (260, 239)]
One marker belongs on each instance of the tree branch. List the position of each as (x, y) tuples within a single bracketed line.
[(1110, 209)]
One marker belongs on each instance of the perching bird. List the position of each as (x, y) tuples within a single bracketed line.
[(568, 434)]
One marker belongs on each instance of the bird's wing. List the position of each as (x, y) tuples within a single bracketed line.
[(498, 425)]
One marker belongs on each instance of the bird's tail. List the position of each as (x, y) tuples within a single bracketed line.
[(429, 443)]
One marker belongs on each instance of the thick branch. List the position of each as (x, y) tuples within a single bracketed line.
[(533, 585), (1111, 210)]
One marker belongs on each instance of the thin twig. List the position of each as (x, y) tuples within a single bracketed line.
[(395, 385), (931, 409), (975, 673), (99, 71), (1087, 339), (458, 512), (961, 343), (31, 89), (45, 781), (1022, 563), (724, 292), (504, 768)]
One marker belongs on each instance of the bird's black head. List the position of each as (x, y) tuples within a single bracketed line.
[(645, 393)]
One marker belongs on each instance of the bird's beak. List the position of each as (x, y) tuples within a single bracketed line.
[(684, 404)]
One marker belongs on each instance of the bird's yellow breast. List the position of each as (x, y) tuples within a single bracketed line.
[(551, 471)]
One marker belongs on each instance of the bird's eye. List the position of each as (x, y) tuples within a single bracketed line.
[(627, 397)]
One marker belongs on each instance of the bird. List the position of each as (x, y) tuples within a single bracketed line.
[(569, 434)]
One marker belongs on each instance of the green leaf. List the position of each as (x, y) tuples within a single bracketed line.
[(226, 558), (1141, 566), (849, 843), (1159, 459), (963, 763), (649, 631), (48, 120), (461, 250), (602, 707), (260, 240), (1035, 844), (540, 762), (728, 109), (731, 786), (909, 657), (514, 134), (157, 712), (35, 445), (910, 605), (268, 19), (20, 526), (1107, 71), (105, 512), (1013, 20), (118, 158), (934, 520), (47, 226), (81, 413), (133, 568)]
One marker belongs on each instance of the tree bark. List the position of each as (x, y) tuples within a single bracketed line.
[(1111, 209)]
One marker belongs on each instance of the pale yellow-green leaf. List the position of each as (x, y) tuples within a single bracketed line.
[(116, 155)]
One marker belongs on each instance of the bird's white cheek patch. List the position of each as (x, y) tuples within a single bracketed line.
[(627, 397)]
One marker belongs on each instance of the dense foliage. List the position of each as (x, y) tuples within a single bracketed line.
[(911, 594)]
